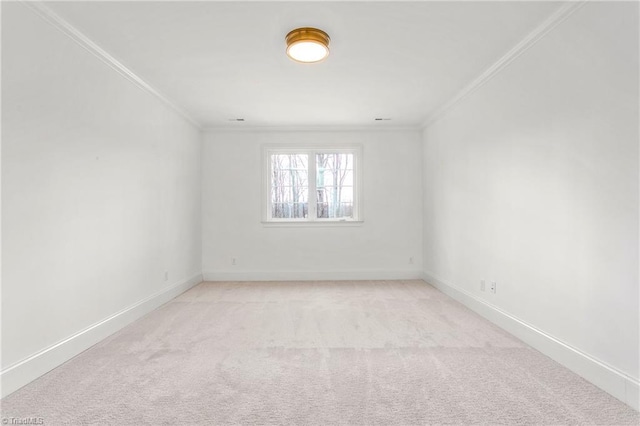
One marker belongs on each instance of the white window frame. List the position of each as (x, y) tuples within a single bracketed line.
[(311, 151)]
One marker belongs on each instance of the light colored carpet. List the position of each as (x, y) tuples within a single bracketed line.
[(314, 353)]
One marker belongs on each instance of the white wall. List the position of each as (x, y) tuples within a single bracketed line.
[(532, 181), (379, 248), (100, 196)]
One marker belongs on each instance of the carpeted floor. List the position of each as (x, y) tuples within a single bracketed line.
[(314, 353)]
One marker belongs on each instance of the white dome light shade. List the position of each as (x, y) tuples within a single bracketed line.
[(307, 45), (307, 51)]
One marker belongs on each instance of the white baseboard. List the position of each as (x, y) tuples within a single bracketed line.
[(607, 378), (312, 275), (22, 372)]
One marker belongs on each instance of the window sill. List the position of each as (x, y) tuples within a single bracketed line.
[(311, 223)]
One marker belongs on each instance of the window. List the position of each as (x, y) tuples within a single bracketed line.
[(312, 185)]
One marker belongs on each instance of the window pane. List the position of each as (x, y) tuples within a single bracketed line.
[(335, 202), (334, 180), (289, 186), (329, 178), (289, 210)]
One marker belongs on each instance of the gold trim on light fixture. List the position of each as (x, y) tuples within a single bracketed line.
[(307, 45)]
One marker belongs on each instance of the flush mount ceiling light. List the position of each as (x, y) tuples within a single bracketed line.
[(307, 45)]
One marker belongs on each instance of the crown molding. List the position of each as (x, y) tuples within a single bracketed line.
[(85, 42), (532, 38), (298, 128)]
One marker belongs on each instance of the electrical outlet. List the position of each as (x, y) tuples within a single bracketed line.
[(234, 261), (166, 275), (493, 287), (411, 261), (481, 285)]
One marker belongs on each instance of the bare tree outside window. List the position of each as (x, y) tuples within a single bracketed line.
[(310, 184), (334, 184), (290, 186)]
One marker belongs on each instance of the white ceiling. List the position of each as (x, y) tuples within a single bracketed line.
[(224, 60)]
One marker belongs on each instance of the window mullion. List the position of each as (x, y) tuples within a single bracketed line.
[(313, 192)]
